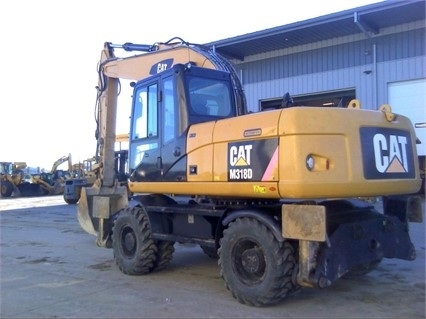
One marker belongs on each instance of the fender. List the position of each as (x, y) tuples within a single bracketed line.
[(261, 216), (157, 222)]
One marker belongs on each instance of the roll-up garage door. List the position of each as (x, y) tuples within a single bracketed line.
[(409, 98)]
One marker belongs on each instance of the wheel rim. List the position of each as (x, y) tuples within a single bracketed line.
[(128, 242), (249, 262)]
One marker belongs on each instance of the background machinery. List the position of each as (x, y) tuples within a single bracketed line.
[(53, 182), (276, 196), (84, 175), (13, 182), (85, 169)]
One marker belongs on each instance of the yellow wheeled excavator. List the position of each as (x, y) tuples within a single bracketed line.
[(276, 195)]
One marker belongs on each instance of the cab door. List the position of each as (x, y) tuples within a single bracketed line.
[(173, 128), (144, 134), (157, 138)]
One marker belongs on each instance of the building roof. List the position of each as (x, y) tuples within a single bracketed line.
[(368, 19)]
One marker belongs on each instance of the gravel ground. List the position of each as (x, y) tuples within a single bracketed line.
[(51, 268)]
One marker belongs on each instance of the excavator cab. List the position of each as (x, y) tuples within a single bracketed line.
[(181, 96)]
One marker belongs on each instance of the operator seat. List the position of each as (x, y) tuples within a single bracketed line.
[(199, 104)]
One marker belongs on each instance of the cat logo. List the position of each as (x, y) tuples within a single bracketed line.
[(240, 161), (387, 153), (161, 66), (240, 155), (390, 154)]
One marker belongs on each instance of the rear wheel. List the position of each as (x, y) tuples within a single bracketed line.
[(135, 252), (256, 267)]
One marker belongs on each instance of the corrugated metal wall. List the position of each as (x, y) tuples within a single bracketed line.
[(357, 62)]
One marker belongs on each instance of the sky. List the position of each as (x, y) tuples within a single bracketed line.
[(49, 51)]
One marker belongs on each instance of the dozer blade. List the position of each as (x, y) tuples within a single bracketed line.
[(99, 203), (30, 189)]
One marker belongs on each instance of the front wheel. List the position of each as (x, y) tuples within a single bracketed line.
[(257, 268), (134, 249), (165, 250), (6, 188)]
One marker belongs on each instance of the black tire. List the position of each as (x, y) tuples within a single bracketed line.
[(256, 267), (210, 251), (135, 252), (6, 188), (362, 270), (71, 201), (165, 250)]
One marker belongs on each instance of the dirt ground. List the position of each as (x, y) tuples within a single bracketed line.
[(51, 268)]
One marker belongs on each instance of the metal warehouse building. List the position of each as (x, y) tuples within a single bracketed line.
[(374, 53)]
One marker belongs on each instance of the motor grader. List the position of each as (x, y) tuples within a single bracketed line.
[(276, 196)]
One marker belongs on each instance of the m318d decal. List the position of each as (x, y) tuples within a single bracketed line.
[(386, 153), (252, 160)]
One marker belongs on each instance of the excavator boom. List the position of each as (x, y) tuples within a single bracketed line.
[(60, 161)]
